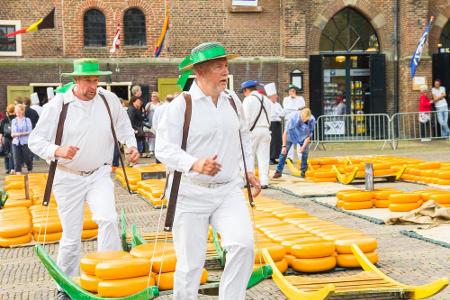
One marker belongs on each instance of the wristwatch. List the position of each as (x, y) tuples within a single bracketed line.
[(283, 146)]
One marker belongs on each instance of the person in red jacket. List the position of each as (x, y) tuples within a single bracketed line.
[(424, 112)]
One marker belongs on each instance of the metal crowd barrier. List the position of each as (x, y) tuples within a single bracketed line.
[(376, 128), (408, 127), (352, 128)]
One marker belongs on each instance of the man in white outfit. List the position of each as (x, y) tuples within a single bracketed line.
[(84, 160), (257, 109), (291, 105), (35, 103), (210, 190)]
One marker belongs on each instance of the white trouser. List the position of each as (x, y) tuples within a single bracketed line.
[(225, 208), (71, 191), (261, 151)]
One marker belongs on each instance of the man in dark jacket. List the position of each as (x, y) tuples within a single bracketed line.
[(137, 121), (30, 113)]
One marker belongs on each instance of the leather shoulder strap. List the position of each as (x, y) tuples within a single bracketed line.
[(53, 164), (116, 141), (171, 208), (261, 101)]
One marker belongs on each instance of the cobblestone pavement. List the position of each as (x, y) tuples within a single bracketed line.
[(408, 260)]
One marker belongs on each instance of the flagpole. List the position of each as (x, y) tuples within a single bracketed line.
[(62, 26)]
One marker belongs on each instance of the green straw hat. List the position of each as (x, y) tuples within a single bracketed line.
[(86, 67), (201, 53), (292, 86)]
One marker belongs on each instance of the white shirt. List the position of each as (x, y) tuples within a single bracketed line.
[(157, 115), (213, 130), (277, 112), (87, 126), (437, 93), (292, 105), (37, 108), (252, 106)]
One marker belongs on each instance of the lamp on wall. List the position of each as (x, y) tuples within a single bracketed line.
[(296, 77), (340, 58)]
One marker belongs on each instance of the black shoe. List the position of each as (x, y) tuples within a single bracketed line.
[(302, 175), (61, 295), (264, 187)]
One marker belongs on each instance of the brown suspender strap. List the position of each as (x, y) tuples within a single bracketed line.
[(116, 142), (249, 191), (52, 169), (170, 215)]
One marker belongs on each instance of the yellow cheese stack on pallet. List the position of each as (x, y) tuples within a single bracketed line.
[(152, 190), (15, 226)]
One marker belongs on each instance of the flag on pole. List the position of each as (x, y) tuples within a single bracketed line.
[(162, 36), (45, 23), (116, 40), (418, 53)]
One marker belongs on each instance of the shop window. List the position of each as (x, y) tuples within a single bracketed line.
[(94, 28), (349, 31), (11, 46), (444, 42), (297, 78), (134, 26)]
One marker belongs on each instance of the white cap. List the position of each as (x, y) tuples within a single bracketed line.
[(34, 99), (50, 93), (270, 89)]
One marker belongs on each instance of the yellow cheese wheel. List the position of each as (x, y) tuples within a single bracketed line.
[(89, 224), (52, 226), (360, 196), (90, 260), (441, 198), (350, 261), (312, 265), (123, 268), (357, 205), (14, 228), (385, 172), (313, 250), (382, 203), (429, 165), (289, 258), (87, 234), (292, 214), (384, 194), (403, 207), (277, 252), (366, 244), (166, 263), (404, 198), (15, 203), (123, 287), (89, 282), (324, 174), (443, 174), (20, 240), (49, 237), (443, 181), (305, 240), (146, 250), (329, 179), (165, 280), (281, 265)]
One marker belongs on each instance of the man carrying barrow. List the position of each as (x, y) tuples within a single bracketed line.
[(210, 190)]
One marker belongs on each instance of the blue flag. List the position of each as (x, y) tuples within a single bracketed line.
[(418, 53)]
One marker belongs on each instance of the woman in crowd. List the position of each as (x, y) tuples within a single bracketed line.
[(5, 132), (441, 106), (20, 130), (137, 121), (150, 111), (424, 112)]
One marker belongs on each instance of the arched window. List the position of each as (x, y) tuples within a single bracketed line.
[(94, 28), (134, 25), (445, 36), (349, 31)]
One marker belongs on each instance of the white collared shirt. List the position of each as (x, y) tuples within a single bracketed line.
[(292, 105), (157, 115), (213, 130), (277, 112), (252, 106), (87, 127)]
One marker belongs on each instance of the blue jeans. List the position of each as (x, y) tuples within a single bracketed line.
[(442, 116), (282, 158), (140, 144)]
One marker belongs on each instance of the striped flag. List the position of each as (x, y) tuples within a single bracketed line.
[(418, 53), (162, 36), (45, 23), (116, 41)]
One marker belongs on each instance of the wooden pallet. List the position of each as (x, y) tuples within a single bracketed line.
[(371, 282)]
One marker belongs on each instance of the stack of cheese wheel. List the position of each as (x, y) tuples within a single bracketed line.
[(46, 224), (17, 198), (15, 226), (152, 190), (323, 175), (443, 175), (403, 202), (90, 228), (381, 197), (133, 175), (163, 261), (440, 197), (354, 199)]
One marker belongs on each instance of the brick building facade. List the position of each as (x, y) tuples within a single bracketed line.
[(273, 39)]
